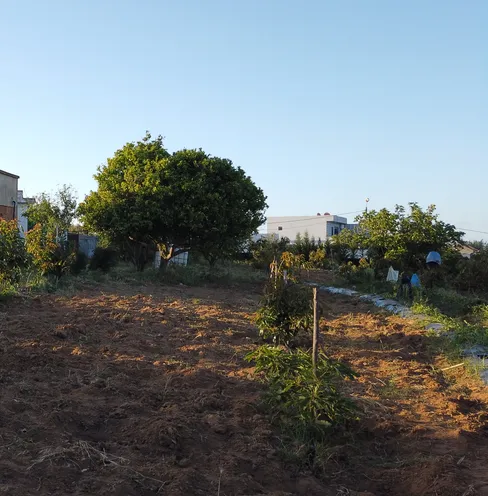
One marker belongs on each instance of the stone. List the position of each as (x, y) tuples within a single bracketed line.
[(184, 462), (476, 351)]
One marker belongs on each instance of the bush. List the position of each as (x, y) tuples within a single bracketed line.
[(472, 274), (304, 401), (49, 256), (79, 263), (452, 303), (305, 245), (318, 259), (285, 310), (361, 273), (13, 254), (7, 289), (103, 259), (292, 263), (266, 250)]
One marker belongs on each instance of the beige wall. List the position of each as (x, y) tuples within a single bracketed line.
[(8, 191)]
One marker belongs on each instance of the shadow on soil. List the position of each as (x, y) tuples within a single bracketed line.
[(141, 394), (132, 394), (424, 428)]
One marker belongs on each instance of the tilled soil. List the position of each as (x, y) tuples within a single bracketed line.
[(143, 391), (424, 428)]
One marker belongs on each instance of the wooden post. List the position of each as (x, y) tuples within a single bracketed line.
[(315, 347)]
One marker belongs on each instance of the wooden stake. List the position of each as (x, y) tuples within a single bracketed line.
[(315, 348)]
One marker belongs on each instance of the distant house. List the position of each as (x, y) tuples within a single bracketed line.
[(318, 226), (467, 251), (8, 195), (22, 206)]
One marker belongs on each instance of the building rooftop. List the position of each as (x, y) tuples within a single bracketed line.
[(9, 174)]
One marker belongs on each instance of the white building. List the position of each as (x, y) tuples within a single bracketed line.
[(318, 226), (22, 206)]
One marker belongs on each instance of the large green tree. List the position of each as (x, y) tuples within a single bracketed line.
[(180, 201), (403, 236)]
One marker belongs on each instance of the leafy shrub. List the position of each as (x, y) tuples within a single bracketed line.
[(286, 309), (302, 399), (266, 250), (305, 245), (13, 254), (79, 263), (318, 259), (7, 289), (472, 274), (103, 259), (451, 302), (292, 263), (361, 273), (49, 256), (480, 314)]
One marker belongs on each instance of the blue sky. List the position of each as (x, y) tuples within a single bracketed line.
[(323, 103)]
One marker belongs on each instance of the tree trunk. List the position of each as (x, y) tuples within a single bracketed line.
[(171, 253)]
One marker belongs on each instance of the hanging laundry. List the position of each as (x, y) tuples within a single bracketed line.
[(415, 281), (392, 275)]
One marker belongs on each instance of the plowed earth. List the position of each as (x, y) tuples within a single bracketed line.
[(143, 391)]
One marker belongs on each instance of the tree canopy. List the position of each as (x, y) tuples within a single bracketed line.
[(188, 200), (53, 211), (404, 237)]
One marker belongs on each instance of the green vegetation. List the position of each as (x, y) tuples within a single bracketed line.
[(454, 294), (266, 250), (400, 237), (314, 254), (53, 212), (79, 264), (176, 202), (467, 330), (357, 274), (103, 259), (305, 402), (81, 276), (49, 255), (147, 201), (286, 309), (190, 275), (13, 255)]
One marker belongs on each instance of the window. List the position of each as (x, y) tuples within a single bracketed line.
[(334, 230), (280, 228)]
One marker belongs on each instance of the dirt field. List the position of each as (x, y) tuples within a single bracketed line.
[(143, 392)]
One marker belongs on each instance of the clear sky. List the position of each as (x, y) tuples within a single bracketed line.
[(323, 103)]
